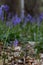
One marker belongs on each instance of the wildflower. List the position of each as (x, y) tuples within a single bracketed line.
[(41, 16), (28, 18), (5, 7), (33, 20), (15, 42), (0, 11), (16, 20), (1, 14)]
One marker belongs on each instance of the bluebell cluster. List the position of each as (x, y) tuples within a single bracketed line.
[(3, 8), (15, 19)]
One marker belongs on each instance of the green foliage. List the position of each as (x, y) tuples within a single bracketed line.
[(3, 31), (30, 32), (39, 47)]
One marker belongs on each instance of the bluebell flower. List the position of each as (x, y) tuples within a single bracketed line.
[(41, 16), (16, 20), (16, 42), (28, 18), (33, 20), (0, 11), (5, 7), (1, 14)]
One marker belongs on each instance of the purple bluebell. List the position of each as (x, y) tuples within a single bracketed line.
[(41, 16), (16, 20), (28, 18), (5, 7), (33, 20), (1, 14), (0, 11), (16, 42)]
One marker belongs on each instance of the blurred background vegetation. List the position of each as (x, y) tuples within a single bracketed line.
[(27, 3), (21, 32)]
